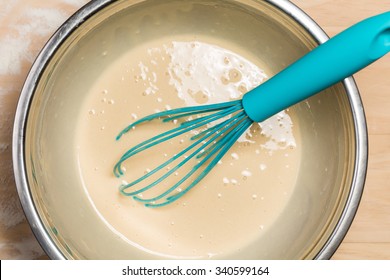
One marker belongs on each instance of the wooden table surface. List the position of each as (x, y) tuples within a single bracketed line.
[(21, 39), (369, 235)]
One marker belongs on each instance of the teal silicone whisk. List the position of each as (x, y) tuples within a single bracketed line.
[(329, 63)]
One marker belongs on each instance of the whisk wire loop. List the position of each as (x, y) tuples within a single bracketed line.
[(198, 151), (230, 140), (168, 135), (166, 163), (209, 146)]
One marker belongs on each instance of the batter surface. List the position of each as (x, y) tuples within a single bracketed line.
[(237, 202)]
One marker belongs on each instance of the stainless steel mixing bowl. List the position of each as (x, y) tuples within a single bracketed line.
[(331, 178)]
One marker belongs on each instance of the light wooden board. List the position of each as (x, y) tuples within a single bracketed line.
[(369, 235)]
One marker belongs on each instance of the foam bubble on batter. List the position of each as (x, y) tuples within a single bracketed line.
[(203, 73), (278, 129), (219, 72), (221, 76)]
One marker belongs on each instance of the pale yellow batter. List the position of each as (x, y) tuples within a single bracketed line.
[(244, 194)]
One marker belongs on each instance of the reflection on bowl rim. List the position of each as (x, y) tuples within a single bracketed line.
[(39, 229)]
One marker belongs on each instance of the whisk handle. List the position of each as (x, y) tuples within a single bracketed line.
[(338, 58)]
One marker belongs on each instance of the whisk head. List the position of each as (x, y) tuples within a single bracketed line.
[(220, 126)]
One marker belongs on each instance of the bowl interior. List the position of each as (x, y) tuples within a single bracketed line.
[(266, 34)]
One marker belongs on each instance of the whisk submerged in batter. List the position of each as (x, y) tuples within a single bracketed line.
[(213, 128), (209, 146)]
